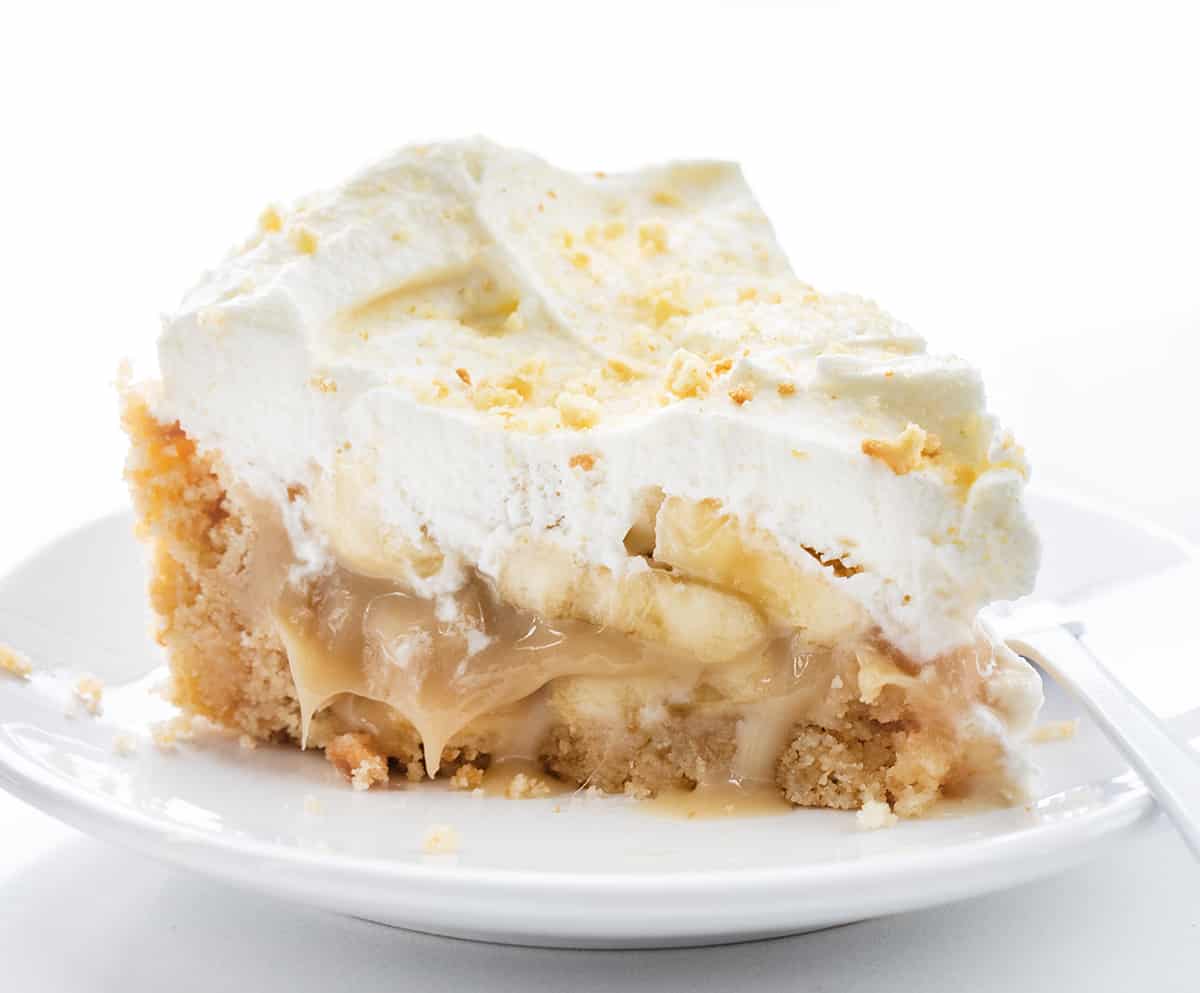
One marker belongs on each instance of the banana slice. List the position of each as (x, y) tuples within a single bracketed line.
[(698, 540), (685, 616)]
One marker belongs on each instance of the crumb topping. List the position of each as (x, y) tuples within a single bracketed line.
[(270, 220), (578, 410), (687, 375), (906, 451), (652, 238), (304, 241)]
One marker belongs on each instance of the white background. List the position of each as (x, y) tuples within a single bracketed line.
[(1020, 183)]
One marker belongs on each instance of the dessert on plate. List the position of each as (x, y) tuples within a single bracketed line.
[(473, 459)]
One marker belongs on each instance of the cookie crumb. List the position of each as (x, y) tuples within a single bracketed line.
[(271, 219), (903, 453), (466, 777), (356, 756), (440, 839), (686, 375), (368, 773), (1054, 731), (167, 734), (578, 410), (304, 241), (90, 693), (312, 805), (875, 814), (523, 787), (652, 238), (15, 663), (124, 744)]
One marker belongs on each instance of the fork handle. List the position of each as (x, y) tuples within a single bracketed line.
[(1169, 768)]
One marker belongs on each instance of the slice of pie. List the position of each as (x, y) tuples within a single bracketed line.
[(473, 459)]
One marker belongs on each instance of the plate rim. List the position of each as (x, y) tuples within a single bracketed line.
[(32, 783)]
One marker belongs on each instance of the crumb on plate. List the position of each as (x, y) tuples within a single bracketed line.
[(523, 787), (167, 734), (124, 743), (875, 814), (89, 691), (356, 756), (1054, 731), (466, 777), (440, 839), (15, 663)]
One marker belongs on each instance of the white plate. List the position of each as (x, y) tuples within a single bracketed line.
[(600, 872)]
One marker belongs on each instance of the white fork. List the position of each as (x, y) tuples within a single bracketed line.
[(1168, 768)]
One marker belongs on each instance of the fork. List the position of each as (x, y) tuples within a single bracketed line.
[(1169, 768)]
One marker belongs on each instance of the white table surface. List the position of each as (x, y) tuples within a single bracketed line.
[(1023, 194)]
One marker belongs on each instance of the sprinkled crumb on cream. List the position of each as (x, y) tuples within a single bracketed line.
[(906, 451)]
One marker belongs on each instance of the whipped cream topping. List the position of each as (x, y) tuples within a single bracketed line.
[(463, 347)]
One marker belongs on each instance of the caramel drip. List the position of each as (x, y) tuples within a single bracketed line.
[(381, 656), (441, 663)]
